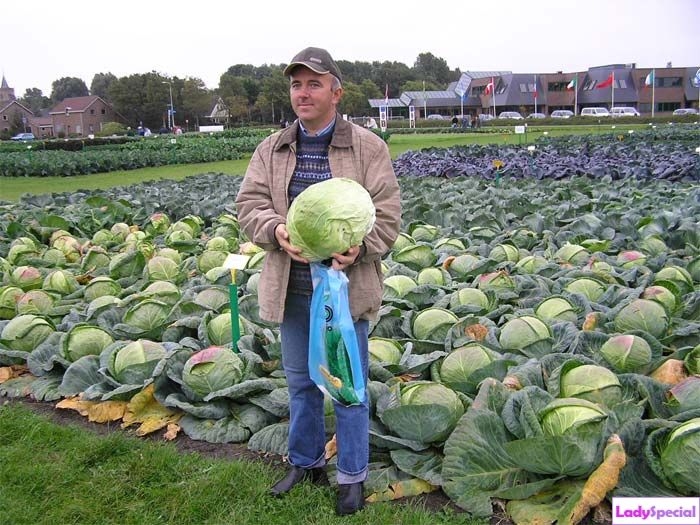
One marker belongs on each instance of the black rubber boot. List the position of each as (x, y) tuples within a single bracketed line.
[(351, 498), (297, 475)]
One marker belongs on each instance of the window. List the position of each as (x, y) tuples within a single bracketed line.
[(622, 83), (667, 106), (556, 86), (669, 82), (92, 112), (588, 84), (104, 111), (4, 117), (523, 88), (501, 88)]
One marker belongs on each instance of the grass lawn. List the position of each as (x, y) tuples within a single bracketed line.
[(64, 474), (11, 188)]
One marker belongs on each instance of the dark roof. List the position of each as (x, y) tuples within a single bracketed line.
[(625, 87)]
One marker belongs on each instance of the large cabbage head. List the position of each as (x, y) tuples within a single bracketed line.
[(555, 309), (35, 302), (26, 277), (397, 286), (525, 333), (427, 412), (627, 353), (26, 332), (643, 314), (433, 324), (469, 296), (458, 369), (684, 396), (568, 415), (680, 457), (591, 289), (99, 286), (60, 281), (593, 383), (83, 339), (330, 217), (9, 295), (134, 362), (219, 329), (382, 350), (678, 276), (212, 369), (161, 268)]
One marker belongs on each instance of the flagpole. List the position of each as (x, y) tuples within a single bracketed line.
[(576, 96), (493, 96), (612, 102), (535, 93), (653, 90)]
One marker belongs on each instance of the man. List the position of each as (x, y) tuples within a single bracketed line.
[(317, 146)]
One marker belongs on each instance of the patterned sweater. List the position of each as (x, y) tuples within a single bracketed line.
[(312, 166)]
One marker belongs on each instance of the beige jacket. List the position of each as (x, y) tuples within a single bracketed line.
[(263, 201)]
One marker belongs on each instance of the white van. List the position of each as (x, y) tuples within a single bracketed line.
[(624, 112), (595, 112)]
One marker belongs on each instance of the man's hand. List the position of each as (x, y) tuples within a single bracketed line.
[(343, 260), (282, 236)]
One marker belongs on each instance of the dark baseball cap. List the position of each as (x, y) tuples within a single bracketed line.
[(316, 59)]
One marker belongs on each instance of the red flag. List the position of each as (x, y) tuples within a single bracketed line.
[(607, 82), (535, 94), (489, 88)]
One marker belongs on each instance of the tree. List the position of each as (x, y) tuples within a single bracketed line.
[(273, 102), (354, 101), (391, 74), (429, 67), (100, 84), (196, 100), (419, 85), (68, 87), (35, 100), (142, 99)]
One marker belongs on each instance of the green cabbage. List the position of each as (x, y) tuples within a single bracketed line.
[(330, 217)]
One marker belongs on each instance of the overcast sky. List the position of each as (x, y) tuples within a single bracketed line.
[(44, 40)]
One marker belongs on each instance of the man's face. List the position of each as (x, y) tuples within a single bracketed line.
[(313, 98)]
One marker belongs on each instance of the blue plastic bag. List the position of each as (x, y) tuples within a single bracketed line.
[(334, 356)]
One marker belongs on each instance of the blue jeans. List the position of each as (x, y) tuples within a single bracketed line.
[(307, 434)]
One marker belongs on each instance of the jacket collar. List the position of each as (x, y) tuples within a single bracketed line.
[(342, 134)]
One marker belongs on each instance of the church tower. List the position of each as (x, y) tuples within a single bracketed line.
[(7, 94)]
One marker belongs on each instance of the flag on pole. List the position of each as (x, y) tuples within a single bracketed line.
[(607, 82), (572, 84), (650, 79), (489, 88), (535, 93), (386, 95)]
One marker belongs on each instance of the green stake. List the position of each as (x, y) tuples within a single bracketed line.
[(234, 262)]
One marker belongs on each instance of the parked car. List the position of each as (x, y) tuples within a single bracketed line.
[(537, 115), (513, 115), (624, 111), (24, 136), (686, 111), (562, 113), (435, 116), (483, 117), (595, 112)]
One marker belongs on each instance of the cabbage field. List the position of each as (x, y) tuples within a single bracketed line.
[(538, 346)]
